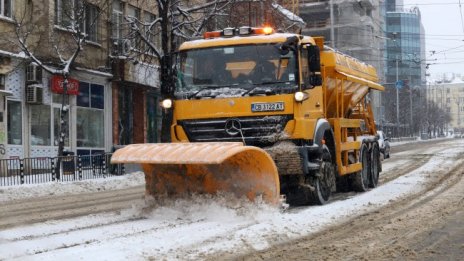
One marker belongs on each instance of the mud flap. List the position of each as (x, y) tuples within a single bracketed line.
[(180, 169)]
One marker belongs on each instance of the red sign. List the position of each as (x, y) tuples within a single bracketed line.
[(58, 82)]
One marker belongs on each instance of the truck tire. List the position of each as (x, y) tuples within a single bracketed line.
[(360, 180), (315, 188), (375, 166), (324, 180)]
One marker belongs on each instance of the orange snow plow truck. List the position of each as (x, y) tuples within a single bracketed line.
[(264, 114)]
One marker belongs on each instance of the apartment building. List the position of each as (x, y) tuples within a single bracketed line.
[(113, 97), (448, 95)]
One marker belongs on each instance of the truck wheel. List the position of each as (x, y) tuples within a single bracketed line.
[(360, 180), (324, 180), (375, 166)]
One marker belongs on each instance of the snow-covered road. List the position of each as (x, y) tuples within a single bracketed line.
[(204, 227)]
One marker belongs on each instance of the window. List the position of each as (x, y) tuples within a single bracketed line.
[(65, 11), (153, 33), (90, 115), (71, 13), (14, 122), (134, 12), (2, 81), (5, 8), (117, 19), (91, 22), (40, 125), (305, 67)]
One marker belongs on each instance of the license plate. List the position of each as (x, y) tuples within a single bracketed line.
[(274, 106)]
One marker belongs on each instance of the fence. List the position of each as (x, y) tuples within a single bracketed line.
[(66, 168)]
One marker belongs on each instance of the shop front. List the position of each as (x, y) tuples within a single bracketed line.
[(33, 112)]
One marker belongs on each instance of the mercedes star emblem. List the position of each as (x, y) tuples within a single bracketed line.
[(233, 127)]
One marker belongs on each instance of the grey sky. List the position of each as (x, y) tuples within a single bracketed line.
[(444, 32)]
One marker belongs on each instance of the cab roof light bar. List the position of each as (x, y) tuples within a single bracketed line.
[(244, 30)]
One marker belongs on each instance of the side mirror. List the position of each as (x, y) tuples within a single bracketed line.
[(288, 45), (314, 64)]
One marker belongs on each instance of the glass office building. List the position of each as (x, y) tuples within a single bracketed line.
[(405, 45), (405, 64)]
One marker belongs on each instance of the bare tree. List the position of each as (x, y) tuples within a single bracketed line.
[(177, 22), (181, 20), (77, 22)]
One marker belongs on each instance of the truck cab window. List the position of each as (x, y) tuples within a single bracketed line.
[(304, 67), (235, 69)]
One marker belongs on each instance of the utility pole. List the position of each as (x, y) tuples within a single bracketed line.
[(410, 111), (332, 22), (397, 101)]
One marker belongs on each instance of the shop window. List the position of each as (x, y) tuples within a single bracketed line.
[(57, 127), (90, 128), (14, 122), (40, 125), (90, 115)]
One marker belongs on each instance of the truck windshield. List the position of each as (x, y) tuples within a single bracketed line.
[(235, 71)]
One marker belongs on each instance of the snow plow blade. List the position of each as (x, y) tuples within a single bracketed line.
[(179, 169)]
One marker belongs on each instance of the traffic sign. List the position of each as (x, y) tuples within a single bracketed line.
[(399, 84)]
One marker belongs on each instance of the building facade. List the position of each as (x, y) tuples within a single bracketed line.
[(448, 96), (354, 27), (115, 97), (404, 71)]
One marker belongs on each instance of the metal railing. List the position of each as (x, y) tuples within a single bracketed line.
[(44, 169)]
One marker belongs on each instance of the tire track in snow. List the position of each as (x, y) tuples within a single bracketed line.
[(28, 211)]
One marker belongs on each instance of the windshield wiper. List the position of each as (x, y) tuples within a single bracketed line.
[(270, 82), (209, 88), (258, 90)]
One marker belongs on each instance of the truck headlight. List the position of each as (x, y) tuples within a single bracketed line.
[(166, 103), (301, 96)]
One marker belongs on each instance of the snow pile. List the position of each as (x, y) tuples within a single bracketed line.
[(66, 188)]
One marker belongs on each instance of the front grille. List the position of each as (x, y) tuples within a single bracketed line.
[(256, 130)]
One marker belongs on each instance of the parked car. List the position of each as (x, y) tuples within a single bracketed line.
[(384, 144)]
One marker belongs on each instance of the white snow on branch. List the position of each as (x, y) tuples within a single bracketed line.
[(289, 15)]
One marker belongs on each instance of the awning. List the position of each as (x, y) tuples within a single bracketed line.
[(362, 81)]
